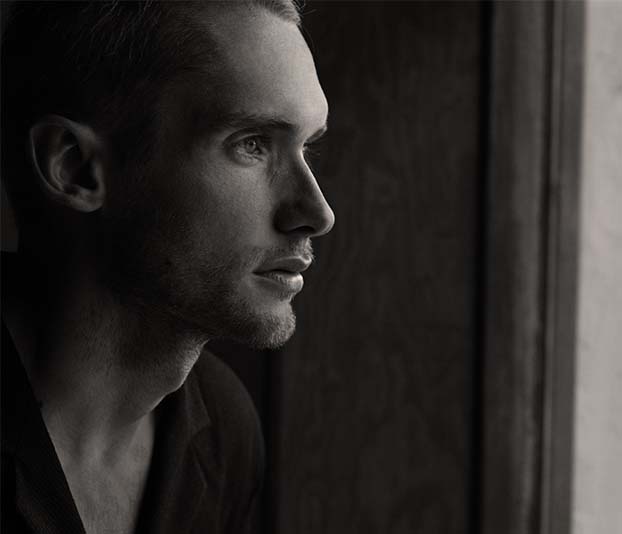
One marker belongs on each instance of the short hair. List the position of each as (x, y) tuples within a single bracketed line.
[(99, 61)]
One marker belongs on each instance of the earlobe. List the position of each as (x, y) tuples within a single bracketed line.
[(67, 161)]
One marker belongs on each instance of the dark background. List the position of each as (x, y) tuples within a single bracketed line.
[(370, 411)]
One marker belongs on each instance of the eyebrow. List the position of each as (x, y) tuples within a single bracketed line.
[(248, 121)]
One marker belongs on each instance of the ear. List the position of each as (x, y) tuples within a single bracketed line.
[(67, 161)]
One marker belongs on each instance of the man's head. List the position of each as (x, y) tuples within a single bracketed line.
[(173, 155)]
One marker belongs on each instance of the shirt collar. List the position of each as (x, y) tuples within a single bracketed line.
[(185, 472)]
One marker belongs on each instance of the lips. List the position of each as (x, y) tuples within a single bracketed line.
[(293, 264), (283, 274)]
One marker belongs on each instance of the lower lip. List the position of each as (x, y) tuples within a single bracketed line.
[(283, 280)]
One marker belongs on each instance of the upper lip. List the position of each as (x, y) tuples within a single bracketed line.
[(293, 264)]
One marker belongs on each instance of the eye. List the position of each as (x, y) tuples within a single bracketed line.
[(251, 148)]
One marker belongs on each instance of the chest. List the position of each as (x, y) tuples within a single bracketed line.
[(108, 500)]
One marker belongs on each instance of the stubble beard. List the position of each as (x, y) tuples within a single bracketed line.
[(209, 304), (151, 272), (222, 309), (258, 331)]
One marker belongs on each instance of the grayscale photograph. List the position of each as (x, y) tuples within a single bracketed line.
[(311, 266)]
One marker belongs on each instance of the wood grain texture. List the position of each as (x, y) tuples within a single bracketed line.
[(565, 183), (531, 215), (373, 397), (516, 219)]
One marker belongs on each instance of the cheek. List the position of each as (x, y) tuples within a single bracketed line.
[(226, 206), (204, 201)]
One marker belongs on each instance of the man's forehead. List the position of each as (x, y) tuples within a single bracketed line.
[(265, 78)]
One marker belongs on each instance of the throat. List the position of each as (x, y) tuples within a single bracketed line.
[(108, 483)]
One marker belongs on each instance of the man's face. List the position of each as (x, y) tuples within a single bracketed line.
[(228, 204)]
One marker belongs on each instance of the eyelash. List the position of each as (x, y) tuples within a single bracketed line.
[(311, 152), (262, 146), (311, 149)]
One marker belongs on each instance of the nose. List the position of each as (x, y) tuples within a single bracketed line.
[(303, 208)]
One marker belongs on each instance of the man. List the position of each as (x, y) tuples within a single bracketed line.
[(155, 157)]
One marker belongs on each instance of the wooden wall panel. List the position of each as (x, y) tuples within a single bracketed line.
[(531, 215), (373, 397)]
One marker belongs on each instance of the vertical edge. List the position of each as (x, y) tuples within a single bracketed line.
[(515, 266), (530, 291), (474, 488), (562, 270)]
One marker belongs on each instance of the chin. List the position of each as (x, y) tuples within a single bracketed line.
[(258, 327), (267, 331), (260, 319), (253, 318)]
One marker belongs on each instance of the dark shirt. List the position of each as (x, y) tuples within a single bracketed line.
[(206, 470)]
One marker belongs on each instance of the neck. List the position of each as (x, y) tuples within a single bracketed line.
[(100, 368)]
